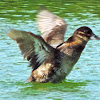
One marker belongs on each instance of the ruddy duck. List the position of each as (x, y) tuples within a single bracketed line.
[(51, 58)]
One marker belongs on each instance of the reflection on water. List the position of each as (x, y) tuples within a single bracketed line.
[(84, 81)]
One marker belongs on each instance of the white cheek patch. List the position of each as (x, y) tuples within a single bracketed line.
[(83, 37)]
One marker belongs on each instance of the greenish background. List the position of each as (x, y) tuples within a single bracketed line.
[(83, 83)]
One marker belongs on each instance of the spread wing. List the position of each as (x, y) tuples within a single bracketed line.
[(33, 47), (52, 27)]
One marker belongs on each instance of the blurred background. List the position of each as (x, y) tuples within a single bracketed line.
[(83, 83)]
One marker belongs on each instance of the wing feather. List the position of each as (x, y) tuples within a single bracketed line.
[(32, 46), (52, 27)]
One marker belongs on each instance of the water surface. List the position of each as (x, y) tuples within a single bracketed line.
[(83, 83)]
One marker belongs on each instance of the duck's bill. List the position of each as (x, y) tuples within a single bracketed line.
[(94, 37)]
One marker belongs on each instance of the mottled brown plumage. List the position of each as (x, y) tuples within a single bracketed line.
[(51, 58)]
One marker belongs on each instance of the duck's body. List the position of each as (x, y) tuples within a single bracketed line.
[(51, 58), (60, 65)]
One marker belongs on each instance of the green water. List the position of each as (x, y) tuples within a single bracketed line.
[(83, 83)]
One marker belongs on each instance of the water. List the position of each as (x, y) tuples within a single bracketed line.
[(83, 83)]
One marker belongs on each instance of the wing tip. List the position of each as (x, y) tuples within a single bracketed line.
[(42, 8), (8, 30), (9, 33)]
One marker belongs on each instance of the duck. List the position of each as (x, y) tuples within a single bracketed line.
[(50, 57)]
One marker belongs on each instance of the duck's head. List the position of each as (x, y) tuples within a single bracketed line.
[(85, 33)]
